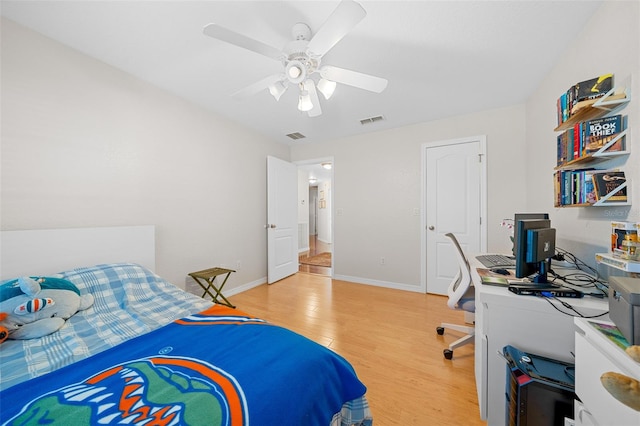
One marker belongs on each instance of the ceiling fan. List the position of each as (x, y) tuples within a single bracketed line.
[(301, 59)]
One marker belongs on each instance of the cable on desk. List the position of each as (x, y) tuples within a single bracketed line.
[(569, 257), (582, 280), (549, 297)]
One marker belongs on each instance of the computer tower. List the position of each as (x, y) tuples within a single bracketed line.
[(539, 391)]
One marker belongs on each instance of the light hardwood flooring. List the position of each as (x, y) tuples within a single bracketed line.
[(315, 247), (388, 336)]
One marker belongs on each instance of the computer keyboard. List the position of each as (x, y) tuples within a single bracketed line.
[(496, 260)]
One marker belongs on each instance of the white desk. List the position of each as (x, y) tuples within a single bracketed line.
[(530, 324), (595, 355)]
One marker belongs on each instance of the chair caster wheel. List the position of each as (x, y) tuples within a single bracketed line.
[(448, 353), (440, 330)]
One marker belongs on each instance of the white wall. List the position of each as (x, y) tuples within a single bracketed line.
[(376, 188), (324, 212), (303, 210), (84, 144), (610, 43)]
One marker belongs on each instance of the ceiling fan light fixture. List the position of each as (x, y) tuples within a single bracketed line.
[(296, 72), (304, 103), (326, 87), (277, 89), (301, 58)]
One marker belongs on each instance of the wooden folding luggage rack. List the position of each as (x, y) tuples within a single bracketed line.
[(207, 280)]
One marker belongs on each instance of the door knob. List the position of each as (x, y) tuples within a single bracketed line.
[(271, 225), (431, 228)]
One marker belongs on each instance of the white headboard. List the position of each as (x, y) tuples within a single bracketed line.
[(45, 252)]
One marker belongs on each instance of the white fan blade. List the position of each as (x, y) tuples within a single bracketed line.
[(310, 87), (354, 78), (340, 22), (256, 87), (231, 37)]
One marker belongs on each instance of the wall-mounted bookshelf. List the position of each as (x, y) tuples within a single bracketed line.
[(596, 108), (618, 263), (602, 154), (593, 132)]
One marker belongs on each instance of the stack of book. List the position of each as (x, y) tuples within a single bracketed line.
[(588, 137), (574, 187), (582, 94), (583, 187)]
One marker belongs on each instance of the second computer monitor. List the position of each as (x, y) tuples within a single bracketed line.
[(524, 268), (522, 216)]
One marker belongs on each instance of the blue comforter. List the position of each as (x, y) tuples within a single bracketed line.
[(218, 367)]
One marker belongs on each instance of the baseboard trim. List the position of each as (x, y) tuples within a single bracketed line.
[(356, 280), (378, 283), (245, 287)]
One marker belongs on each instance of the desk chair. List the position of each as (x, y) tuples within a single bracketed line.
[(462, 297)]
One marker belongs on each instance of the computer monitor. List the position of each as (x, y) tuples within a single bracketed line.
[(539, 244), (523, 216)]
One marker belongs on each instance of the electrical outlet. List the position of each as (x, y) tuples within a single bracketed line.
[(382, 260), (238, 265)]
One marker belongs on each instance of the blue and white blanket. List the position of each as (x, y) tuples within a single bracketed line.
[(217, 367), (129, 301)]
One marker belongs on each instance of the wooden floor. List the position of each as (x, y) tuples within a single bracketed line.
[(388, 336), (315, 247)]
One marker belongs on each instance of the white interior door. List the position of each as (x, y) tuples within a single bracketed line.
[(282, 219), (455, 194)]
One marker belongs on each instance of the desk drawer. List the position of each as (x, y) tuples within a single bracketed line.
[(603, 409)]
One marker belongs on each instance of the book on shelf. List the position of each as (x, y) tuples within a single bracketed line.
[(563, 153), (573, 187), (563, 108), (581, 94), (593, 88), (587, 92), (599, 132), (570, 144), (607, 181), (586, 138), (578, 140), (589, 190)]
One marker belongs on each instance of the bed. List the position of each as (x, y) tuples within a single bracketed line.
[(147, 352)]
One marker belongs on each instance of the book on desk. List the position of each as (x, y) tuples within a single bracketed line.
[(489, 277)]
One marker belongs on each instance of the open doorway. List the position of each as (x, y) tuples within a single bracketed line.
[(315, 252)]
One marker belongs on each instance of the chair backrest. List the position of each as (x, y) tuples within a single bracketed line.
[(462, 281)]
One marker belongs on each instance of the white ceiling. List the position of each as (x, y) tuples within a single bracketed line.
[(317, 172), (441, 58)]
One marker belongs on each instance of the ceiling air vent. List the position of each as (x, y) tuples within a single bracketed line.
[(371, 120), (295, 136)]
